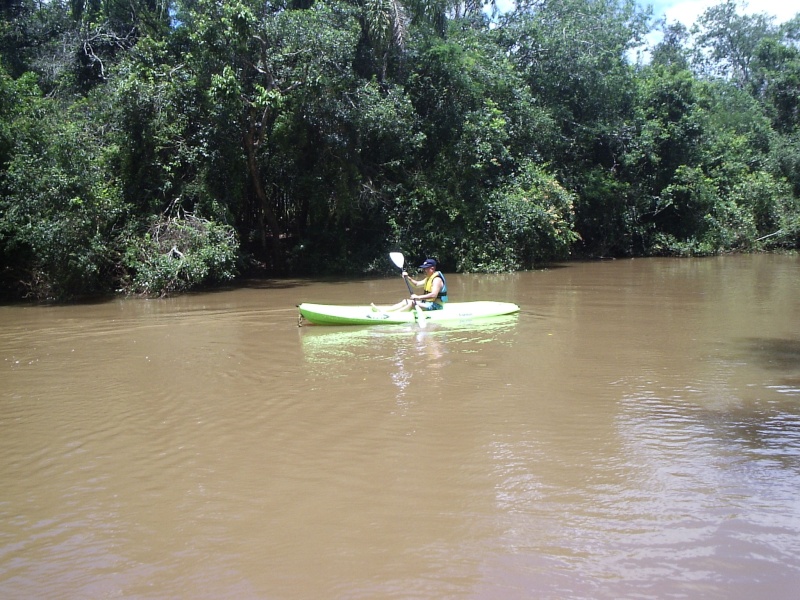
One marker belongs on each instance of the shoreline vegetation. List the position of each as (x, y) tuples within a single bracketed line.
[(155, 148)]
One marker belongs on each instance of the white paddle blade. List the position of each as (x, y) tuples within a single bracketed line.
[(398, 259)]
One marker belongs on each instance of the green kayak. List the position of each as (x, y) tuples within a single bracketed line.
[(330, 314)]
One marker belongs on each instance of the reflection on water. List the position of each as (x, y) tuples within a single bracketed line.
[(407, 351), (343, 339), (634, 432)]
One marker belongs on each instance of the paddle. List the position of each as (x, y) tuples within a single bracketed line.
[(399, 260)]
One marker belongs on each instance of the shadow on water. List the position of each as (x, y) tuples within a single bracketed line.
[(261, 284), (289, 284), (766, 426), (775, 353), (770, 438), (100, 300)]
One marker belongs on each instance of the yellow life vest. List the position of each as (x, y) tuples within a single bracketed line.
[(428, 287)]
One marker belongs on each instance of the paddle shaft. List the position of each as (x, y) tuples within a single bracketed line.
[(399, 260), (408, 285)]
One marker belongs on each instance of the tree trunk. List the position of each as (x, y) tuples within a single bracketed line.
[(268, 221)]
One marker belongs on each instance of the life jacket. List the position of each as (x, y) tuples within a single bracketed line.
[(428, 286)]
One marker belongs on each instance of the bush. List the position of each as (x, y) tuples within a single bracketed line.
[(528, 220), (180, 253)]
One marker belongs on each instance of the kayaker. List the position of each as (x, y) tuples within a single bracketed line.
[(434, 290)]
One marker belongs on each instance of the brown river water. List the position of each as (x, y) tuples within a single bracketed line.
[(633, 433)]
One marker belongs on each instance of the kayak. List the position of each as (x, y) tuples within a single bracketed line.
[(332, 314)]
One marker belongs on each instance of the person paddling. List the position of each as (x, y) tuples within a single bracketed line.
[(434, 290)]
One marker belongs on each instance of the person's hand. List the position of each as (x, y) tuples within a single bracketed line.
[(405, 274)]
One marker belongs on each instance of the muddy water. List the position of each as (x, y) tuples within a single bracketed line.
[(633, 433)]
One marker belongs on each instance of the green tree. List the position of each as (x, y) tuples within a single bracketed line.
[(777, 83), (480, 125), (672, 50), (726, 42), (573, 56), (670, 124), (60, 210), (264, 71)]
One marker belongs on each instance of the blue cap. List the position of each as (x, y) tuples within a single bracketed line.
[(429, 262)]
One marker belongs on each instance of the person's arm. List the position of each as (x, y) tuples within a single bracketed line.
[(414, 281)]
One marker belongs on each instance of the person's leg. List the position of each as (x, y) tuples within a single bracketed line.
[(403, 305)]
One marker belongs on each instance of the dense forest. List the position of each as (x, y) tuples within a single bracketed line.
[(154, 146)]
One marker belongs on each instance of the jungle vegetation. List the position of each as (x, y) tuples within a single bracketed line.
[(154, 146)]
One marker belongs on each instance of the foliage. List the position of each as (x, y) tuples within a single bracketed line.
[(180, 253), (157, 146), (60, 212), (580, 73), (530, 219), (727, 42)]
